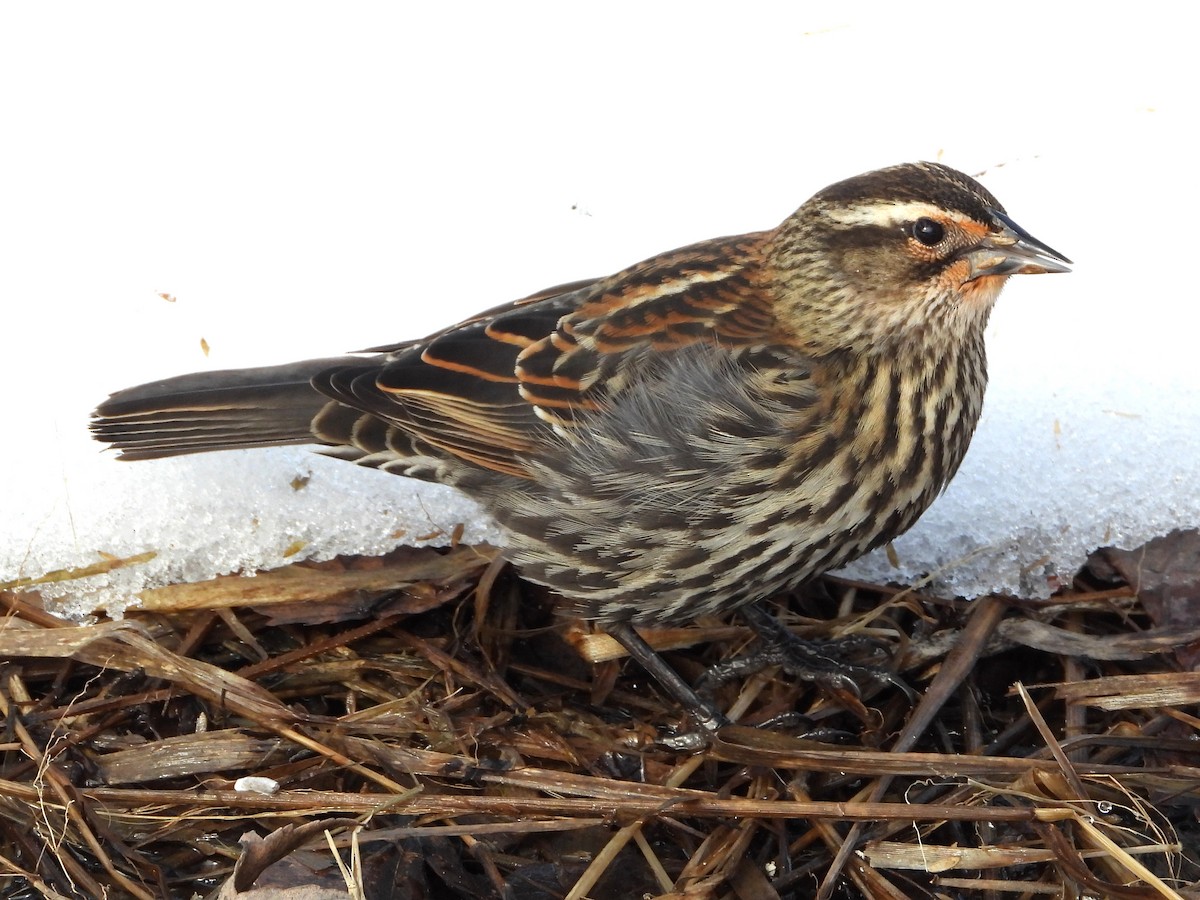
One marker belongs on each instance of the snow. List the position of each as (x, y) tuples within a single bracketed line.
[(302, 181)]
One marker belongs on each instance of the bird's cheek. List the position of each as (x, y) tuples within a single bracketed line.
[(982, 292), (956, 279)]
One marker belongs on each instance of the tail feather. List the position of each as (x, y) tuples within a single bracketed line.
[(264, 407)]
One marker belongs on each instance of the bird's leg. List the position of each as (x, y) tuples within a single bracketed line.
[(815, 661), (704, 712)]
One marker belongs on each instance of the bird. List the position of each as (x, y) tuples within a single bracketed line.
[(694, 434)]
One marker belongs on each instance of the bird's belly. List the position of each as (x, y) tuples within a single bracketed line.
[(660, 514), (656, 560)]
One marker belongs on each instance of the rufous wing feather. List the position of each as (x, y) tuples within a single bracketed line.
[(485, 389)]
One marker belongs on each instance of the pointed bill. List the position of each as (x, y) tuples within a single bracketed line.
[(1011, 250)]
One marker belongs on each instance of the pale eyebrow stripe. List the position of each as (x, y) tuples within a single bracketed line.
[(884, 213)]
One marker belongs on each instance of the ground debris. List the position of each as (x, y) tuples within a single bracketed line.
[(433, 733)]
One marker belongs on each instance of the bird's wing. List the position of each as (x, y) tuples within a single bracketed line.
[(486, 390)]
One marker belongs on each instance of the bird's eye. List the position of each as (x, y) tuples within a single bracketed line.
[(928, 232)]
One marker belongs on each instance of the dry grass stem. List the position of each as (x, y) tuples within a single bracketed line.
[(427, 720)]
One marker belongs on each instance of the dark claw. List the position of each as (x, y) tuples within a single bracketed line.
[(822, 663)]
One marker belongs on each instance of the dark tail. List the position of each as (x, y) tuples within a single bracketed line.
[(215, 411)]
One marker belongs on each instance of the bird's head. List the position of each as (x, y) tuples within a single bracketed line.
[(885, 258)]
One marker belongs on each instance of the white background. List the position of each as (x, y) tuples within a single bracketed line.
[(308, 179)]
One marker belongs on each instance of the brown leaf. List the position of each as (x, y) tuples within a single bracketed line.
[(259, 853), (1165, 572)]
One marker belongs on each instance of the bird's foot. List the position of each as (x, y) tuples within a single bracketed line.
[(824, 663), (821, 662)]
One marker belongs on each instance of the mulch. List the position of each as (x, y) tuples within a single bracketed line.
[(424, 726)]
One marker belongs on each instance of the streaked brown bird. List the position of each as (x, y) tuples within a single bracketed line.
[(688, 436)]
